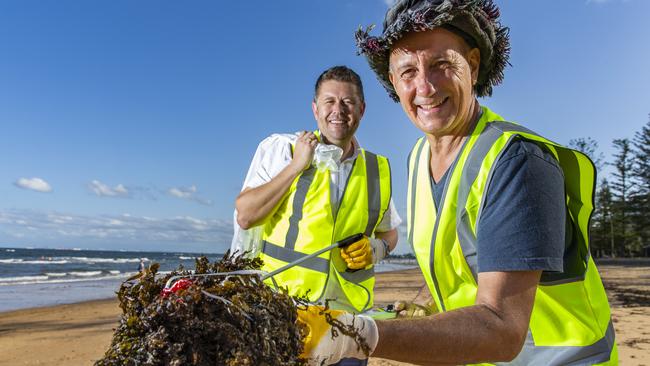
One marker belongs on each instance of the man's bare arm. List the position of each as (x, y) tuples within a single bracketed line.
[(254, 205), (494, 329)]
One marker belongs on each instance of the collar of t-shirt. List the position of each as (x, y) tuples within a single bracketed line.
[(438, 188)]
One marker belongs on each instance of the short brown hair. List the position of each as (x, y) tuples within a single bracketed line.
[(339, 73)]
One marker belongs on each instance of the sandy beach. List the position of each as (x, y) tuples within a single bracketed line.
[(78, 334)]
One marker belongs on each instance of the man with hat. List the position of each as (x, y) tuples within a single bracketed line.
[(498, 216)]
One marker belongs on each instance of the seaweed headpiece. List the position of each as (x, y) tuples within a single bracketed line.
[(476, 21)]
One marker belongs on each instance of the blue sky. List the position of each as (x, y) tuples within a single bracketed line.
[(131, 124)]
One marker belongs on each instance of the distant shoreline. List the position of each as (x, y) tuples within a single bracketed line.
[(637, 261)]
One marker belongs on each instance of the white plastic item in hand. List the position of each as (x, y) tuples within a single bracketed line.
[(327, 157)]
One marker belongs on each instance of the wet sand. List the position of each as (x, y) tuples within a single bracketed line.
[(78, 334)]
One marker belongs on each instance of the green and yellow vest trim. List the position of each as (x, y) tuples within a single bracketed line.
[(305, 221), (571, 321)]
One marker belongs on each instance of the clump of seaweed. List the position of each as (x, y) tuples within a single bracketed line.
[(206, 320)]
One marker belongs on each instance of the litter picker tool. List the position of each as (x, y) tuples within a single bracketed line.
[(340, 244), (264, 275)]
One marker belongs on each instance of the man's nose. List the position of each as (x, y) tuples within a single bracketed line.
[(424, 85), (339, 107)]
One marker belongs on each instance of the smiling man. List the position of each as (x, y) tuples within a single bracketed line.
[(498, 216), (305, 191)]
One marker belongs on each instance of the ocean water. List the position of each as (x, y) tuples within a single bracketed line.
[(43, 277)]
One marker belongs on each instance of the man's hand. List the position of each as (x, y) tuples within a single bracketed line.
[(363, 253), (406, 309), (321, 346), (303, 152), (422, 305)]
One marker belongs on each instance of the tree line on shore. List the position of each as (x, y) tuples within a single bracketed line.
[(620, 223)]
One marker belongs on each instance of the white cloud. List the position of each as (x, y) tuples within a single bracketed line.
[(390, 3), (103, 190), (34, 184), (182, 192), (190, 194), (115, 229)]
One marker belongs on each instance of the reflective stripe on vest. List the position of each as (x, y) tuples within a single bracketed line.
[(305, 222), (570, 322), (304, 181)]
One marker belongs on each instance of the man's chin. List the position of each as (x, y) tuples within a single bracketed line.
[(337, 135), (431, 126)]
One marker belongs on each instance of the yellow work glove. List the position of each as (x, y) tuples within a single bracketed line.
[(406, 309), (364, 252), (321, 347)]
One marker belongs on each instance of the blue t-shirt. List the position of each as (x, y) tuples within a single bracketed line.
[(523, 223)]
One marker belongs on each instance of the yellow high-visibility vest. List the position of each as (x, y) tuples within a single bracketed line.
[(571, 320), (305, 222)]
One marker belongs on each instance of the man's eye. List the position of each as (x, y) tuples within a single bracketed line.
[(408, 74), (442, 64)]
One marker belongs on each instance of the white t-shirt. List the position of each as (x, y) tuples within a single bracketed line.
[(274, 154)]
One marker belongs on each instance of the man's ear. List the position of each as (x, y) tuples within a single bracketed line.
[(474, 61), (363, 108), (314, 109)]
